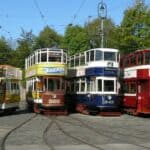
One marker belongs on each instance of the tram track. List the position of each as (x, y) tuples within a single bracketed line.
[(58, 122), (104, 131), (4, 139), (45, 133)]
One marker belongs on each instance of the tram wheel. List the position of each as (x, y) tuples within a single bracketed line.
[(36, 109)]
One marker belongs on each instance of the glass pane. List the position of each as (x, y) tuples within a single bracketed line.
[(98, 55), (100, 85), (87, 56), (110, 56), (82, 60), (147, 58), (43, 57), (91, 55), (108, 86), (50, 85), (54, 57), (132, 88)]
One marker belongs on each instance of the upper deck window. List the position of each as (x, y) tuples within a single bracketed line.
[(147, 58), (87, 56), (98, 55), (54, 57), (110, 56), (77, 61), (91, 55), (82, 59), (43, 57), (140, 59), (133, 60)]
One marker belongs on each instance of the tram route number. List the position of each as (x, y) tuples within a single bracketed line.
[(54, 101), (107, 102)]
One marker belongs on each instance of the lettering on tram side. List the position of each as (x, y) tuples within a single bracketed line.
[(53, 70)]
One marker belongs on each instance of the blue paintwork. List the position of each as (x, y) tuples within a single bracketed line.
[(101, 71), (97, 100)]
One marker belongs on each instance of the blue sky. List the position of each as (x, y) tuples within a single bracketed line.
[(35, 14)]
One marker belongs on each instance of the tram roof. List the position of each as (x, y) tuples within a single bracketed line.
[(50, 49), (105, 49)]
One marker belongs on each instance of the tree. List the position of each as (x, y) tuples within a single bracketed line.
[(5, 52), (48, 38), (93, 29), (75, 39), (24, 48), (135, 27)]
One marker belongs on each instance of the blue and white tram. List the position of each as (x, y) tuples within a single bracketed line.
[(93, 86)]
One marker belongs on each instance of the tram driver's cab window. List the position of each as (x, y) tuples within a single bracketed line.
[(108, 85), (99, 85)]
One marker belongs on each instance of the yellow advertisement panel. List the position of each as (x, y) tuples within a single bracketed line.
[(46, 69)]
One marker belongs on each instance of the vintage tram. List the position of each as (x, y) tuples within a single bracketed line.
[(45, 80), (136, 82), (93, 81), (10, 97)]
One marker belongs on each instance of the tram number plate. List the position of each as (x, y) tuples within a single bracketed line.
[(53, 101)]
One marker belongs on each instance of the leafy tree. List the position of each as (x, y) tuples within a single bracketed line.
[(93, 29), (135, 27), (75, 39), (47, 38), (25, 48), (5, 52)]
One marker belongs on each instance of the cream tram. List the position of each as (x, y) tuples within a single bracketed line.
[(10, 78), (45, 80)]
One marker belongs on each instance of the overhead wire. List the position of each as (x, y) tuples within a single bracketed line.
[(78, 11), (40, 12)]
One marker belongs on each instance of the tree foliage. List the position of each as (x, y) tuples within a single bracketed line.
[(75, 39), (5, 52), (135, 28), (48, 38), (24, 48), (94, 33)]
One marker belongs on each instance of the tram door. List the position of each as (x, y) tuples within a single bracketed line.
[(143, 99)]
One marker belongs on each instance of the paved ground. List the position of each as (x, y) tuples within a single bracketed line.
[(74, 132)]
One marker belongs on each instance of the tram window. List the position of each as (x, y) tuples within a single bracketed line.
[(147, 58), (49, 85), (98, 55), (125, 88), (57, 84), (110, 56), (108, 86), (82, 86), (91, 55), (39, 57), (140, 59), (43, 57), (88, 86), (82, 60), (77, 87), (72, 63), (87, 56), (132, 88), (65, 58), (133, 60), (54, 57), (77, 61), (99, 85)]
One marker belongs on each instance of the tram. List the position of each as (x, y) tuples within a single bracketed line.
[(45, 81), (136, 82), (93, 78), (10, 78)]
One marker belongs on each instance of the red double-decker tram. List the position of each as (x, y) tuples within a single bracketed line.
[(136, 82)]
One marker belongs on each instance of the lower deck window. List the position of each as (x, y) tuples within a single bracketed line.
[(108, 85)]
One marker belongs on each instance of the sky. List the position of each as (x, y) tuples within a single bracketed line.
[(35, 14)]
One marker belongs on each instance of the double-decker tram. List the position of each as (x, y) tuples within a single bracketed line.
[(45, 80), (93, 78), (136, 82), (10, 78)]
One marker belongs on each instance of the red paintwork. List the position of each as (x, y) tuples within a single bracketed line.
[(129, 101), (142, 73)]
